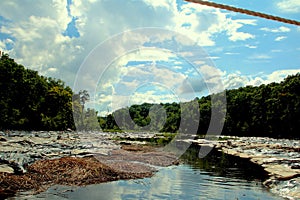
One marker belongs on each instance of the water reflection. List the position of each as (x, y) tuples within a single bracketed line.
[(215, 177), (221, 164)]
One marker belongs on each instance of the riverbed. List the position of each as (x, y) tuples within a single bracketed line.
[(236, 168), (216, 176)]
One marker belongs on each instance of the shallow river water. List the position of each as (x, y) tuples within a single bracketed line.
[(176, 182), (217, 176)]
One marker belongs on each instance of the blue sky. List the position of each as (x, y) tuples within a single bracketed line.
[(195, 50)]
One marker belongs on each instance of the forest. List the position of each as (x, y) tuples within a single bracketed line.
[(29, 101), (271, 110)]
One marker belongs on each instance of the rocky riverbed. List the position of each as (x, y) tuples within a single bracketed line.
[(24, 155), (279, 157), (36, 160)]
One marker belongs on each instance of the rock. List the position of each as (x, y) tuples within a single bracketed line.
[(295, 165), (279, 157), (6, 168), (280, 171)]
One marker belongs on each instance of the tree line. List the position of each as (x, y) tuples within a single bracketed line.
[(271, 110), (29, 101)]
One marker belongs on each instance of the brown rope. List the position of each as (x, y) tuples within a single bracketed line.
[(244, 11)]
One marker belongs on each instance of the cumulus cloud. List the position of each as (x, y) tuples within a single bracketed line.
[(36, 39), (237, 79), (279, 75), (38, 28), (201, 23), (289, 6)]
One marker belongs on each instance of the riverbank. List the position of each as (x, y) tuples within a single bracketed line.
[(34, 161), (280, 158)]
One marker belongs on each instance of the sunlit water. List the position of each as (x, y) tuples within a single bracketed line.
[(175, 182), (217, 176)]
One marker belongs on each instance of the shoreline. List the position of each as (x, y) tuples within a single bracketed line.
[(280, 158), (39, 159)]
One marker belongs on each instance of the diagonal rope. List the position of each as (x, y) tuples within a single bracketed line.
[(245, 11)]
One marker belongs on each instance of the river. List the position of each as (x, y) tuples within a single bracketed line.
[(217, 176)]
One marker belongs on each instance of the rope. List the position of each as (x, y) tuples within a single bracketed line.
[(244, 11)]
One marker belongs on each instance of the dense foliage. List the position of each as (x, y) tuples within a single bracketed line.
[(29, 101), (268, 110)]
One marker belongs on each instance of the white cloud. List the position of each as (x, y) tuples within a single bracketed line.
[(214, 57), (236, 79), (204, 22), (276, 50), (260, 57), (37, 31), (212, 77), (280, 38), (5, 43), (250, 46), (231, 53), (199, 62), (52, 69), (289, 6), (210, 71), (39, 43), (234, 25), (151, 97), (177, 67), (279, 75), (146, 54), (124, 88), (281, 29), (161, 4), (255, 81)]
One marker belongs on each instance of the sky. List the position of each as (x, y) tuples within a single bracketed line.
[(128, 52)]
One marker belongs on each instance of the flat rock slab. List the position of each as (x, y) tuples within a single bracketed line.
[(281, 171), (6, 169), (279, 157)]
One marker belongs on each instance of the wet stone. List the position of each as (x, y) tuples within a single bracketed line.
[(6, 168), (295, 165), (279, 157)]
